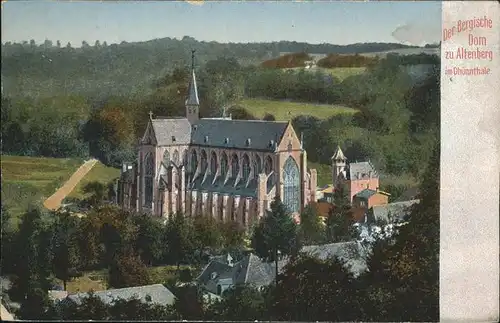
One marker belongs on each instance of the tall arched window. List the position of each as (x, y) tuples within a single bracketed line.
[(149, 172), (268, 165), (257, 166), (194, 161), (213, 163), (166, 158), (235, 167), (246, 167), (223, 166), (204, 161), (176, 157), (291, 189)]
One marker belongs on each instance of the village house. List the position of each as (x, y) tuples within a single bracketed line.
[(221, 273)]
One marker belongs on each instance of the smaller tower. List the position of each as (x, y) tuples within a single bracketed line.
[(339, 162), (192, 101)]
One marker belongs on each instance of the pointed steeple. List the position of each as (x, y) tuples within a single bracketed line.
[(192, 98), (339, 155)]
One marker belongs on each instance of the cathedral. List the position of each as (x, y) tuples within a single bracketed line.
[(227, 169)]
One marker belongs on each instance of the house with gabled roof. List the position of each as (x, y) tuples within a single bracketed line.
[(228, 169)]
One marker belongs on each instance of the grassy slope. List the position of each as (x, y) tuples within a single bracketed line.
[(99, 173), (31, 179), (283, 110), (340, 72)]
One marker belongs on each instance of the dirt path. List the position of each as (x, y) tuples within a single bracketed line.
[(54, 201)]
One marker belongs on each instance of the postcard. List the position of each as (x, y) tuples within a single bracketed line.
[(250, 161)]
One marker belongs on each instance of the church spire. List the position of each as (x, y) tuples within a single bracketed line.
[(192, 101), (192, 98)]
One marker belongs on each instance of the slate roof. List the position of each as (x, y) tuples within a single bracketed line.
[(165, 129), (339, 155), (366, 193), (361, 170), (159, 294), (409, 194), (229, 188), (238, 132), (390, 212), (351, 252)]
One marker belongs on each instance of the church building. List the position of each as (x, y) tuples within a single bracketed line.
[(219, 167)]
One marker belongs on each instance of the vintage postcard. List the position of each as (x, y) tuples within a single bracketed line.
[(250, 161)]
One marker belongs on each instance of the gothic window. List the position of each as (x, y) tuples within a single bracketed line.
[(213, 163), (176, 157), (235, 167), (257, 166), (149, 171), (194, 161), (233, 209), (246, 167), (223, 166), (166, 158), (269, 165), (291, 189), (204, 161)]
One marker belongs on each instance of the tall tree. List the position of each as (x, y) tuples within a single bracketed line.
[(207, 233), (149, 242), (409, 267), (276, 235), (66, 251), (97, 192), (180, 239), (312, 229), (127, 270), (339, 225)]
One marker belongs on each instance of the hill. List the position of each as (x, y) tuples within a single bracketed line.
[(103, 70)]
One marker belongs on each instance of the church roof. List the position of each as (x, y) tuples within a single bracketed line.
[(236, 133), (172, 131), (366, 193)]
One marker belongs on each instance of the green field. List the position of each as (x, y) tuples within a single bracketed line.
[(31, 179), (339, 72), (283, 110), (99, 173)]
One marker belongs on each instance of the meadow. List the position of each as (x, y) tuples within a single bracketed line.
[(285, 110), (27, 180), (99, 173), (339, 72)]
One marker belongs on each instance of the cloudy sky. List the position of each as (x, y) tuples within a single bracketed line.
[(314, 22)]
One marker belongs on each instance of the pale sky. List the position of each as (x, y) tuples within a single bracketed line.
[(332, 22)]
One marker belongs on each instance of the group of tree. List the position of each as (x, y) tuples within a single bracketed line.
[(401, 282)]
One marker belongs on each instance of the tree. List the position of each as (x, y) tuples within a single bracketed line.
[(269, 117), (127, 270), (207, 233), (312, 230), (180, 239), (134, 309), (66, 251), (339, 225), (315, 290), (409, 267), (275, 235), (37, 306), (188, 303), (233, 235), (240, 303), (87, 236), (97, 192), (149, 243), (33, 251)]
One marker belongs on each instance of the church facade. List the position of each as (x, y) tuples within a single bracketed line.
[(219, 167)]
